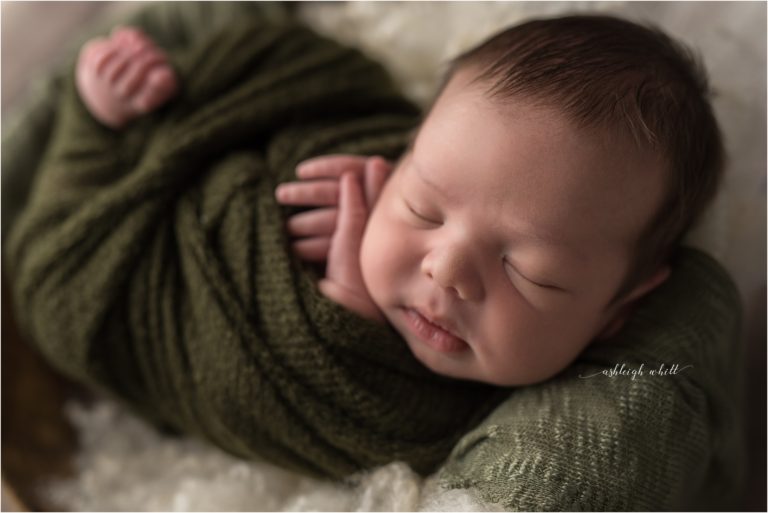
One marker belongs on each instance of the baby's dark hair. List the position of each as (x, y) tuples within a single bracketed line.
[(606, 72)]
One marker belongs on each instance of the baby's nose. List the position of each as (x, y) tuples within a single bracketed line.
[(453, 270)]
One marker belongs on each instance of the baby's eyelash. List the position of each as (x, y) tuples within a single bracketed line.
[(544, 286), (541, 285), (420, 216)]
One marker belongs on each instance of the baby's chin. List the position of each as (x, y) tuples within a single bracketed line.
[(453, 366), (465, 363), (467, 366)]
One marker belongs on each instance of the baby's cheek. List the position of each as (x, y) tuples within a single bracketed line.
[(522, 346), (373, 252), (389, 256)]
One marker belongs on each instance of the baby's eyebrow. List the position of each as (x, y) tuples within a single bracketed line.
[(530, 234), (543, 238), (430, 183), (568, 249)]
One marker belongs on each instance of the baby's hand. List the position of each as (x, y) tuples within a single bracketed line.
[(344, 188), (320, 188)]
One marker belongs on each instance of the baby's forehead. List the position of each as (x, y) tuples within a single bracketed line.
[(506, 155)]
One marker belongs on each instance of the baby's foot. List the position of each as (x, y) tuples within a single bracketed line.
[(123, 76)]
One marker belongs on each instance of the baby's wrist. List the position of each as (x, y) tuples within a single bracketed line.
[(361, 305)]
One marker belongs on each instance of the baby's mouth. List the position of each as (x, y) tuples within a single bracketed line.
[(433, 334)]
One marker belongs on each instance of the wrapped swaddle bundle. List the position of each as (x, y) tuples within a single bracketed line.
[(153, 262)]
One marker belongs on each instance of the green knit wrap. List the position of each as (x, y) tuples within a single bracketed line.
[(153, 263)]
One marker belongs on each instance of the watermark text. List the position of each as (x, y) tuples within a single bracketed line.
[(624, 370)]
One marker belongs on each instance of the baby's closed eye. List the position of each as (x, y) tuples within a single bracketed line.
[(541, 283), (422, 215)]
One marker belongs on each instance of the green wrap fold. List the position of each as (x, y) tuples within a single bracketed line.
[(153, 263)]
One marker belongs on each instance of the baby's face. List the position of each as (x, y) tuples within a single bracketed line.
[(510, 230)]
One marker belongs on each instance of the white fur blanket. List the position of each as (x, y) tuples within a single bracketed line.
[(125, 465)]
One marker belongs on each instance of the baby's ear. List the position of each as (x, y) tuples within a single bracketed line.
[(656, 279), (624, 308)]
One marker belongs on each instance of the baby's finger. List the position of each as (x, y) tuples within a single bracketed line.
[(317, 193), (377, 171), (317, 222), (314, 249), (330, 166), (343, 264)]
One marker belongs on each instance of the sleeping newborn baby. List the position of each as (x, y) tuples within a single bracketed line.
[(541, 196), (168, 254)]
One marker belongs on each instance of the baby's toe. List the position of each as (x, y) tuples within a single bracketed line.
[(159, 87), (138, 71), (116, 66), (162, 79), (96, 55), (129, 36)]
